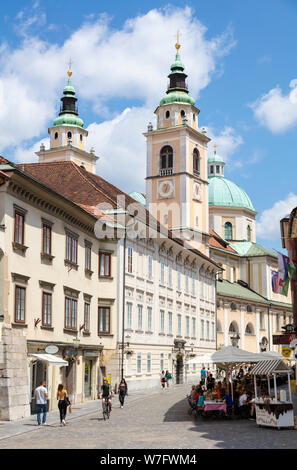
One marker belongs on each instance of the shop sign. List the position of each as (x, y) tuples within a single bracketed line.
[(108, 378), (91, 353), (286, 352), (264, 418), (51, 349), (284, 339)]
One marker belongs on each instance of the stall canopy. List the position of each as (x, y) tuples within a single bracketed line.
[(229, 355), (270, 367), (54, 360)]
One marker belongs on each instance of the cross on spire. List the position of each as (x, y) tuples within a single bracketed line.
[(69, 67), (177, 45)]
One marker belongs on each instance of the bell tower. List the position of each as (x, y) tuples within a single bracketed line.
[(176, 173), (67, 135)]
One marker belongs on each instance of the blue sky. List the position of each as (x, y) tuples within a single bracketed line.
[(241, 62)]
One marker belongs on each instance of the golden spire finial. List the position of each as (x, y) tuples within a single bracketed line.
[(69, 73), (215, 148), (177, 45)]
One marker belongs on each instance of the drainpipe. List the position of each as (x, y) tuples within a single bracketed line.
[(123, 307)]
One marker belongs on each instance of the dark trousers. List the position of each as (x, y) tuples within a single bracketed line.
[(63, 409), (41, 409), (122, 398)]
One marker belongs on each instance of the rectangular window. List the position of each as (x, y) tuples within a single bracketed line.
[(129, 316), (162, 321), (179, 324), (187, 280), (20, 298), (138, 364), (202, 288), (88, 257), (139, 317), (262, 321), (277, 323), (187, 326), (194, 368), (212, 331), (194, 327), (162, 277), (178, 278), (170, 323), (150, 267), (149, 319), (46, 309), (104, 264), (149, 363), (104, 320), (207, 330), (46, 239), (170, 274), (130, 260), (87, 317), (71, 248), (70, 313), (193, 284), (19, 226), (161, 362), (202, 329)]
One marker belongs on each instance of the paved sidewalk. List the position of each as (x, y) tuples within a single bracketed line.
[(14, 428)]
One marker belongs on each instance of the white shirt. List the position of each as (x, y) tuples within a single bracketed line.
[(242, 399), (40, 395)]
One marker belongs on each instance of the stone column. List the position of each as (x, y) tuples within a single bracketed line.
[(226, 323), (14, 383)]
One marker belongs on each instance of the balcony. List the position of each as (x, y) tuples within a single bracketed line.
[(166, 171)]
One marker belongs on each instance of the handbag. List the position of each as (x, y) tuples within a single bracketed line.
[(67, 401)]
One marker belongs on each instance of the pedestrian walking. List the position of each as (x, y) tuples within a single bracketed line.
[(62, 403), (123, 391), (41, 403), (168, 377), (163, 379)]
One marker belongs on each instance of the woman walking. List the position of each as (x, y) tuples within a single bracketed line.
[(62, 403), (123, 391)]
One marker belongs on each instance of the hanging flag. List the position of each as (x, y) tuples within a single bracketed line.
[(285, 271), (275, 281)]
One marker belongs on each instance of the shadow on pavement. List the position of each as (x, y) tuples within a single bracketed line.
[(178, 412)]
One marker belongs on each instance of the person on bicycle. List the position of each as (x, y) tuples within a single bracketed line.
[(106, 394)]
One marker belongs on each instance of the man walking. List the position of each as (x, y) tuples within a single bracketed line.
[(41, 403)]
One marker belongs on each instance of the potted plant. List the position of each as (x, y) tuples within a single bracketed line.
[(128, 352), (180, 355)]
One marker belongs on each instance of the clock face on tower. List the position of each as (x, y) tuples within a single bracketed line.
[(165, 189), (197, 191)]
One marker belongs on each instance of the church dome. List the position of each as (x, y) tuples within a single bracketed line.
[(177, 97), (222, 192)]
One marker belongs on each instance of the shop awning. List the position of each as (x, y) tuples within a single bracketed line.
[(54, 360), (270, 367)]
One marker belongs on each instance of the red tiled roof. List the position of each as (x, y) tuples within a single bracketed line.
[(218, 242), (89, 190)]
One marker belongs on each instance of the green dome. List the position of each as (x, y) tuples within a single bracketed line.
[(177, 97), (68, 120), (222, 192), (215, 158)]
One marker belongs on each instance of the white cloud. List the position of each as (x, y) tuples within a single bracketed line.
[(268, 226), (277, 111), (109, 64), (227, 142)]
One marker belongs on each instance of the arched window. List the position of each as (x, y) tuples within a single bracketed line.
[(166, 160), (248, 233), (233, 328), (182, 113), (249, 329), (233, 307), (56, 135), (196, 162), (69, 135), (167, 114), (228, 231), (249, 308)]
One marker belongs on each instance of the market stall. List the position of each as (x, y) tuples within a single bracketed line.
[(276, 409)]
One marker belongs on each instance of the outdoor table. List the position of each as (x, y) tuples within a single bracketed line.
[(212, 405)]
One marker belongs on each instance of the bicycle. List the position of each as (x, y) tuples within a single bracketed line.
[(106, 409)]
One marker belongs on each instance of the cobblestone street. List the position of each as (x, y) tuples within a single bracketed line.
[(159, 420)]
